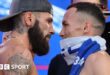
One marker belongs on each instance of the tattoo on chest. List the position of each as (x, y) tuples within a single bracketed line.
[(19, 65)]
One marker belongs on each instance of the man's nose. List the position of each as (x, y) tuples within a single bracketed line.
[(62, 33), (51, 30)]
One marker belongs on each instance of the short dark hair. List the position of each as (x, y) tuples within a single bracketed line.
[(90, 9), (102, 2)]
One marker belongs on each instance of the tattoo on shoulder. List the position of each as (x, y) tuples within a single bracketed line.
[(19, 65)]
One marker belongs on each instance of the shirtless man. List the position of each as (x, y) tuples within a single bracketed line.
[(81, 20), (102, 4), (30, 23)]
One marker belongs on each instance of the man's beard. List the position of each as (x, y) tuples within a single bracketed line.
[(37, 40)]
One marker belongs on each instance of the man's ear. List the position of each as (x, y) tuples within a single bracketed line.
[(29, 19), (87, 28)]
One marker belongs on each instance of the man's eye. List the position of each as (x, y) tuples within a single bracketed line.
[(49, 20), (65, 24)]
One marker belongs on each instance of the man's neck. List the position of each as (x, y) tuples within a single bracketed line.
[(21, 39)]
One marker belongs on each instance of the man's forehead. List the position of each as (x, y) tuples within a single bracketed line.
[(70, 14), (71, 11), (91, 1)]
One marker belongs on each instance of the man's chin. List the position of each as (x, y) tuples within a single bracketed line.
[(42, 49)]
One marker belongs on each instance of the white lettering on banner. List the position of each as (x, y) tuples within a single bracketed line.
[(1, 66), (78, 61), (13, 66), (81, 61)]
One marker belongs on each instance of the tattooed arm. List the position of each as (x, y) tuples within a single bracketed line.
[(24, 66)]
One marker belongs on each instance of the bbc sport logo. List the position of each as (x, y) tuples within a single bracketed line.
[(13, 66)]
